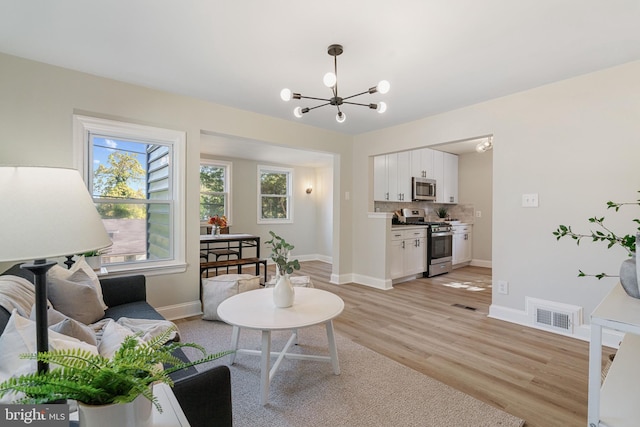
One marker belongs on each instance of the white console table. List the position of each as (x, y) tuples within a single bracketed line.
[(614, 403)]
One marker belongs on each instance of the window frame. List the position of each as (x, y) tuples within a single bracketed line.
[(275, 169), (85, 126), (227, 187)]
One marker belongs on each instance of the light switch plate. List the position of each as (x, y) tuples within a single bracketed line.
[(530, 200)]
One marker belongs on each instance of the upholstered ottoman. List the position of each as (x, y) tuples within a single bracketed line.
[(301, 281), (219, 288)]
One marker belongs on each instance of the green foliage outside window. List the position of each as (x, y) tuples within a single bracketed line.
[(274, 195), (212, 191), (117, 181)]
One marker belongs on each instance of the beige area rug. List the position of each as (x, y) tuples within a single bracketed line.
[(372, 390)]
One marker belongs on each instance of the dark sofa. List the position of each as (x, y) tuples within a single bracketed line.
[(205, 397)]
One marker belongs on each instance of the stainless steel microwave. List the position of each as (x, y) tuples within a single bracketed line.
[(423, 189)]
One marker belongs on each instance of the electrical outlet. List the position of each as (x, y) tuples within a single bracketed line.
[(478, 214), (503, 287)]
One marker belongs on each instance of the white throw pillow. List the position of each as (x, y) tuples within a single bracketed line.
[(19, 337), (74, 296), (81, 264), (113, 335), (219, 288)]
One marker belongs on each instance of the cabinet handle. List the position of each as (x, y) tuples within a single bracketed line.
[(403, 244), (386, 196)]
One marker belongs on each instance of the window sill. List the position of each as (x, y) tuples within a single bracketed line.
[(153, 269)]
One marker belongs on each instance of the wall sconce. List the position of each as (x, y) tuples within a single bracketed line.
[(309, 190)]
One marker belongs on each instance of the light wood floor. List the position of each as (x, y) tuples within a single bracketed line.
[(538, 376)]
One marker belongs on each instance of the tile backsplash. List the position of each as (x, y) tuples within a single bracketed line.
[(461, 212)]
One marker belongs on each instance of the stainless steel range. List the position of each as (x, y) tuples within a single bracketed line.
[(439, 241)]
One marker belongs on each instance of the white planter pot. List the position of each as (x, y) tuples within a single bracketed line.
[(283, 292), (95, 262), (138, 413)]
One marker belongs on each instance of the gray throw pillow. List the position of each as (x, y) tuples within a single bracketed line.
[(65, 325), (75, 297)]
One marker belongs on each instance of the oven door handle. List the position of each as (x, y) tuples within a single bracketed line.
[(441, 234)]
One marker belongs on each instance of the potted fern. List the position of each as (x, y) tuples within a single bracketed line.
[(124, 381)]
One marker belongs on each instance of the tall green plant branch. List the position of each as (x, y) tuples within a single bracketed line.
[(628, 241)]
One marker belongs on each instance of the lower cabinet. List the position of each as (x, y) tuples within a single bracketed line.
[(461, 250), (408, 252)]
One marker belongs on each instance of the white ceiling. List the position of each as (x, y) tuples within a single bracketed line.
[(438, 55)]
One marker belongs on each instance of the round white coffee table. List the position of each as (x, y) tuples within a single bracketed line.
[(256, 310)]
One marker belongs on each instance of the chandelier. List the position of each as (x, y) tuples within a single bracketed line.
[(331, 81)]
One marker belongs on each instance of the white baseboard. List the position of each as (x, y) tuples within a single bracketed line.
[(481, 263), (610, 338), (180, 311), (373, 282)]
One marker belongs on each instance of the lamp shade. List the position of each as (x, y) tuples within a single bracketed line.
[(47, 212)]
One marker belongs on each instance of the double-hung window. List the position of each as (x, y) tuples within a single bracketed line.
[(275, 200), (215, 187), (135, 176)]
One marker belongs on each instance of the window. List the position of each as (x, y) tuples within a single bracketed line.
[(134, 174), (215, 187), (274, 195)]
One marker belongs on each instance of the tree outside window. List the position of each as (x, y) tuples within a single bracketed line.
[(135, 174), (214, 189), (274, 194)]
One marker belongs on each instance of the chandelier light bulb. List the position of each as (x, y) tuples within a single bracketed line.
[(297, 112), (341, 117), (383, 87), (285, 94), (329, 79), (382, 107)]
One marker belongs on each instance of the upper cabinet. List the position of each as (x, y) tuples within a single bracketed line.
[(450, 181), (392, 174), (422, 163), (391, 177)]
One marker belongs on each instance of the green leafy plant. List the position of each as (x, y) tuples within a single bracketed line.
[(442, 212), (628, 241), (96, 380), (95, 252), (280, 254)]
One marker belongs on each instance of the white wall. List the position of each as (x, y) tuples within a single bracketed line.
[(475, 180), (574, 142), (310, 233), (36, 109)]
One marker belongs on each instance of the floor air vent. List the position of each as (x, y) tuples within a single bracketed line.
[(555, 316), (466, 307)]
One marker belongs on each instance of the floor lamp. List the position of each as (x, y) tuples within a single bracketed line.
[(46, 212)]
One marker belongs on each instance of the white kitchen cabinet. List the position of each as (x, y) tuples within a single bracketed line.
[(408, 252), (391, 177), (422, 163), (450, 181), (438, 174), (461, 250), (380, 178), (614, 402)]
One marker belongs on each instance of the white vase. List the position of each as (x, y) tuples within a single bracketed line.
[(138, 413), (215, 230), (283, 292)]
